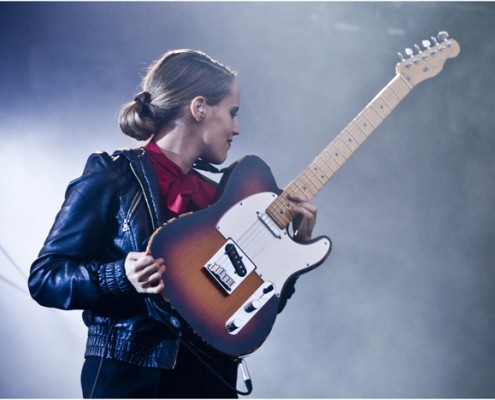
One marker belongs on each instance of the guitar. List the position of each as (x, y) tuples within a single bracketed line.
[(228, 264)]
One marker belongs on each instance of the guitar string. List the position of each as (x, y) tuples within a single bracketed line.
[(249, 242), (223, 257), (244, 241)]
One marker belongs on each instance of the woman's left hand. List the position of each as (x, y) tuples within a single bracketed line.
[(305, 219)]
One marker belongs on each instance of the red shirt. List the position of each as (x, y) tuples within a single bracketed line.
[(179, 192)]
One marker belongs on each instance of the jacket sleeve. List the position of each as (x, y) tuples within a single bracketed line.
[(74, 269)]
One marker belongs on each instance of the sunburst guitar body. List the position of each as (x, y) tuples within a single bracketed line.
[(228, 265)]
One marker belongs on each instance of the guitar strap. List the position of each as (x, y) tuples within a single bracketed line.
[(206, 166)]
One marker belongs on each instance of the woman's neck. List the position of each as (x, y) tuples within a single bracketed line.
[(178, 144)]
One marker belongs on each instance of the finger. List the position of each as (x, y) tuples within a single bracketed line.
[(133, 256), (302, 202), (306, 209), (155, 289), (304, 222), (136, 262), (147, 272), (304, 216), (296, 198), (154, 281), (143, 262), (154, 278)]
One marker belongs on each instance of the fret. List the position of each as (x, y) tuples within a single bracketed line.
[(328, 162), (303, 186), (349, 140), (360, 128), (358, 136), (282, 202), (298, 189), (341, 145), (281, 208), (393, 90), (278, 208), (325, 168), (318, 173), (381, 105), (334, 164), (312, 187), (367, 119), (336, 155), (313, 171), (363, 124), (278, 216), (402, 86), (382, 97), (378, 109), (373, 116), (332, 170)]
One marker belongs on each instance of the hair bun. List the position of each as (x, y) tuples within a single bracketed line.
[(143, 99)]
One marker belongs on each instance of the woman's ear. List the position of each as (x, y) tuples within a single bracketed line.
[(198, 108)]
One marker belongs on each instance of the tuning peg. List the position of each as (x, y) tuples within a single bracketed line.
[(426, 44), (410, 53), (417, 48), (407, 64), (434, 40), (442, 36)]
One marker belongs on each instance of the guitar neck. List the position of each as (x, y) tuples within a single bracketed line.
[(328, 162)]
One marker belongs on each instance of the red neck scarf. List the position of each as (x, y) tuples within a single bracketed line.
[(179, 192)]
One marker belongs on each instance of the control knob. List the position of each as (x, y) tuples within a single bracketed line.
[(233, 325), (253, 305)]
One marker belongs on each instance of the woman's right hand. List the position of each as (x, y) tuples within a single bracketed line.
[(144, 272)]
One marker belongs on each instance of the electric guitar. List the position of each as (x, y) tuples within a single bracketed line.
[(228, 264)]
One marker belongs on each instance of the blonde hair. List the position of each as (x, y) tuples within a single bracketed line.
[(172, 82)]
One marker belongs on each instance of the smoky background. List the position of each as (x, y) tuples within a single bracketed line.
[(404, 305)]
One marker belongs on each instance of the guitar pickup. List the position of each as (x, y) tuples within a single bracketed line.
[(229, 266), (235, 259)]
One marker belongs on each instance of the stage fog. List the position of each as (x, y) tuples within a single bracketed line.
[(404, 305)]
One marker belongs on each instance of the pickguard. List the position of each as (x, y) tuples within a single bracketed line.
[(276, 257)]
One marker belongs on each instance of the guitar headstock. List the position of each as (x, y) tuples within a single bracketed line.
[(428, 62)]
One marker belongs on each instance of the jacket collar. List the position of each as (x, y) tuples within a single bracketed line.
[(145, 174)]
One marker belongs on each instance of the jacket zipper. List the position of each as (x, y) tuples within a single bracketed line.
[(132, 208), (145, 197)]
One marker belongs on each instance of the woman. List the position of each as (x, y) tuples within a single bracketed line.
[(94, 257)]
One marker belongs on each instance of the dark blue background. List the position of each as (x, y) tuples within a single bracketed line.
[(404, 306)]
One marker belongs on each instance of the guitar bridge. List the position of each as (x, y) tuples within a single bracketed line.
[(229, 266)]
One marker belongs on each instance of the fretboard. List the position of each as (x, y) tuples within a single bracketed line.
[(328, 162)]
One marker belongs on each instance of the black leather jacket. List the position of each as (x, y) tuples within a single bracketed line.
[(111, 210)]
